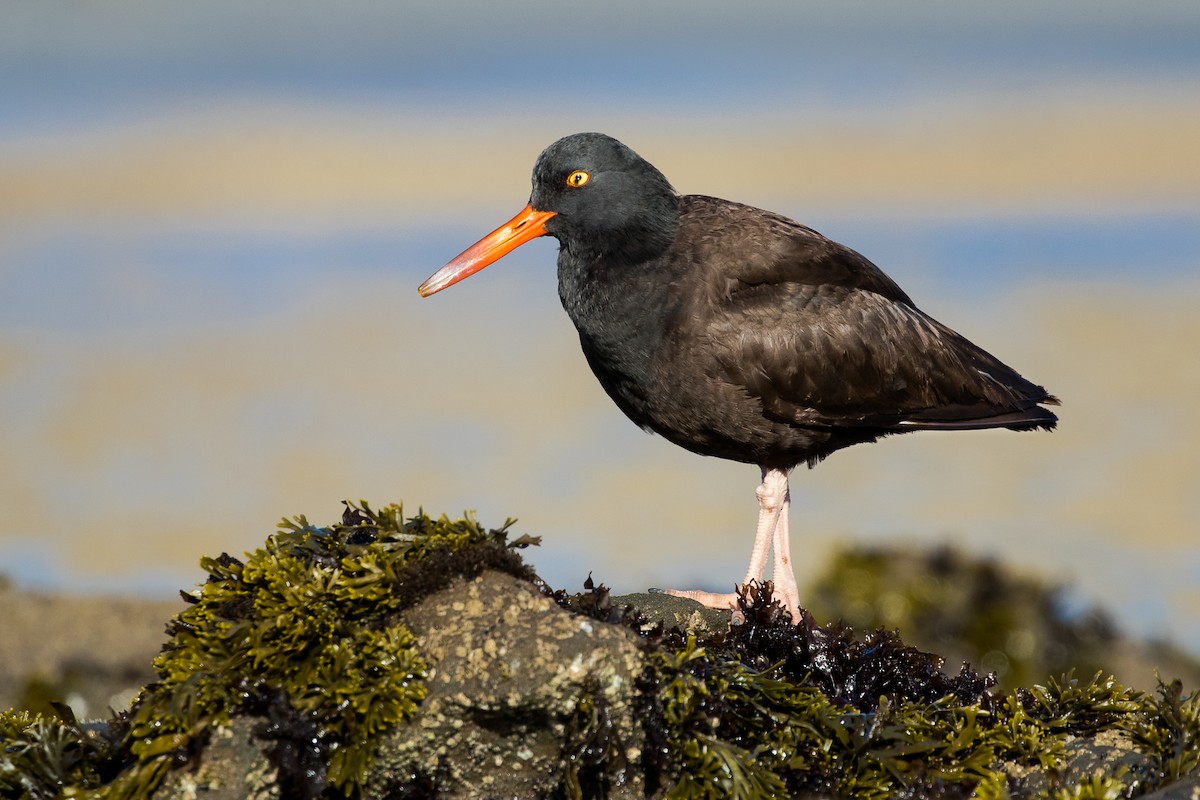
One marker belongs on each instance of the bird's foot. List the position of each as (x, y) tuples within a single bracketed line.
[(710, 599), (722, 601), (729, 601)]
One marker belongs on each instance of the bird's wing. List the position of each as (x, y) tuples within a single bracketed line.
[(829, 356), (822, 337), (771, 249)]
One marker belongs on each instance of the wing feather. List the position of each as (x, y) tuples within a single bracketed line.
[(822, 337)]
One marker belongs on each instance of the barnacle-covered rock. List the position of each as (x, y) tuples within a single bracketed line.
[(524, 697)]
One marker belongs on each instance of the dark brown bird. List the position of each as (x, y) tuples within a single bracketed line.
[(738, 333)]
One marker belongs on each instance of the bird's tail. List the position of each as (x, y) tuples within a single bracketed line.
[(1031, 418)]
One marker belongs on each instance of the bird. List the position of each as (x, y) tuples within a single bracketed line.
[(738, 333)]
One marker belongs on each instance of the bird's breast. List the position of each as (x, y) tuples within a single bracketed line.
[(621, 321)]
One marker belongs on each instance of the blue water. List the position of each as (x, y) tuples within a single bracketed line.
[(52, 280), (65, 66)]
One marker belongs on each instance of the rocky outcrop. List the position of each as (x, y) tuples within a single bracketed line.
[(386, 657)]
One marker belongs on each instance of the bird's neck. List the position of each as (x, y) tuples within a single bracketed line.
[(618, 307), (614, 283)]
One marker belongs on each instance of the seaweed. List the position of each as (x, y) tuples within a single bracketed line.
[(42, 754), (734, 731), (1167, 728), (1016, 626), (304, 642), (305, 634), (773, 709)]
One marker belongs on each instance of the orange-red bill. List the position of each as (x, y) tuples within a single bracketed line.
[(528, 224)]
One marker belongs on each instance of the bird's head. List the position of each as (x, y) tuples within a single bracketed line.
[(592, 193)]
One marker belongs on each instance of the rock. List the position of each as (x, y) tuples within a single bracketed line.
[(510, 673), (1186, 789)]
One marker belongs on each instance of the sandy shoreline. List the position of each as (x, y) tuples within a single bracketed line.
[(98, 647)]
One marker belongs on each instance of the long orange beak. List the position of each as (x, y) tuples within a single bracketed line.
[(528, 224)]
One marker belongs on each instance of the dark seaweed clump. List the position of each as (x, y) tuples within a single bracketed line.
[(1014, 625), (772, 709), (851, 671)]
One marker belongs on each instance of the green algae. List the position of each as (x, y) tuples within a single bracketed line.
[(306, 633), (40, 755), (1167, 727)]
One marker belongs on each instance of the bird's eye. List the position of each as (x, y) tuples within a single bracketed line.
[(578, 178)]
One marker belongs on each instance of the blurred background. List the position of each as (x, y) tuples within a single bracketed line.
[(213, 219)]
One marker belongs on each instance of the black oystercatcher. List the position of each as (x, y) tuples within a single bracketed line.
[(738, 333)]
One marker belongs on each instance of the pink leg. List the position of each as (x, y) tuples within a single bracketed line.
[(783, 576), (768, 520), (771, 534)]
